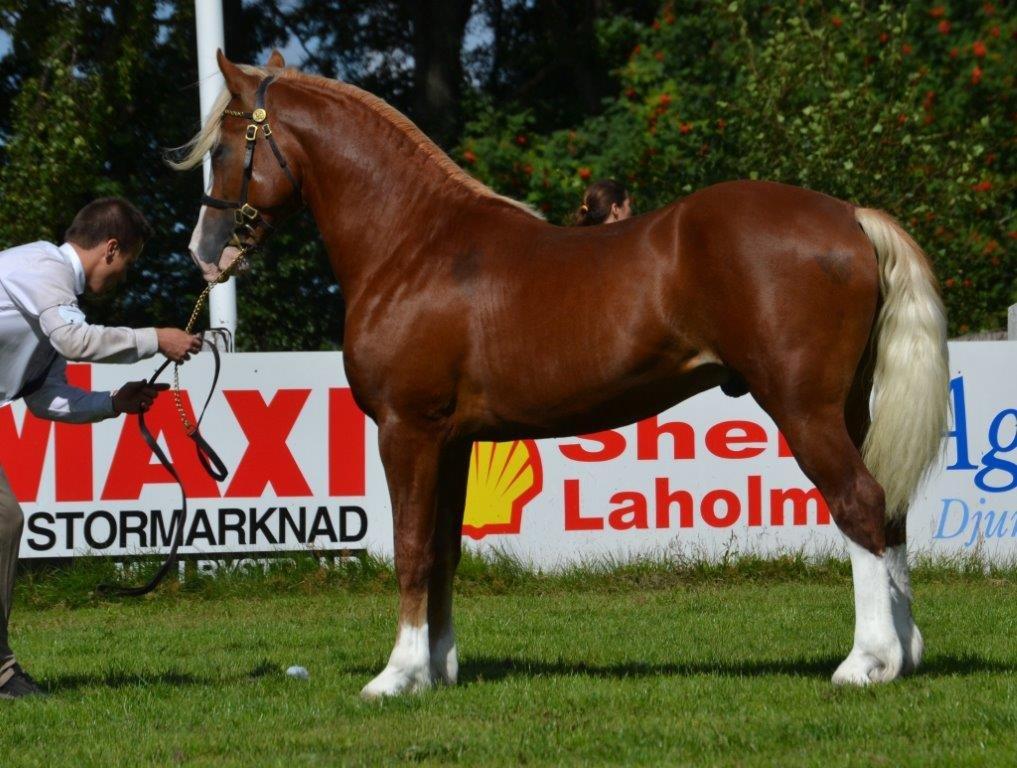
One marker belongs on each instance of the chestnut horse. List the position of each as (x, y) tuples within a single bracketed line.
[(471, 318)]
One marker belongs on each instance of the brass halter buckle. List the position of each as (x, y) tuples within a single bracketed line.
[(245, 215)]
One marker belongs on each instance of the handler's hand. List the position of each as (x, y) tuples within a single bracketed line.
[(136, 396), (176, 344)]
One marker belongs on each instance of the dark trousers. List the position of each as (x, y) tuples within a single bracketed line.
[(12, 522)]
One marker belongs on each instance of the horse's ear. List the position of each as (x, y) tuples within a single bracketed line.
[(275, 59), (238, 81)]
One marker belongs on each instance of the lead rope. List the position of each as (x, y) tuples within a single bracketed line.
[(209, 459), (246, 218), (178, 400)]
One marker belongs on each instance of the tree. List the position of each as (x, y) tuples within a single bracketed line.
[(907, 109), (87, 121), (552, 54), (92, 116), (438, 27), (553, 58)]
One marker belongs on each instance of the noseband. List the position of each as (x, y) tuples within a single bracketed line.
[(246, 217)]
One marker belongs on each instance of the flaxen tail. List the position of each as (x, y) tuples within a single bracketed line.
[(912, 375)]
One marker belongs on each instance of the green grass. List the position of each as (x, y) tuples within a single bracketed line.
[(724, 664)]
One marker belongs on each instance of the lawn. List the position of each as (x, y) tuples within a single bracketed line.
[(699, 670)]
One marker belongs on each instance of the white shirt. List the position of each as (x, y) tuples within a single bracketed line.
[(42, 326)]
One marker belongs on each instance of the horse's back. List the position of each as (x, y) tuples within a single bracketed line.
[(752, 207)]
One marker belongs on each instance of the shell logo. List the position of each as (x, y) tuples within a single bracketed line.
[(504, 478)]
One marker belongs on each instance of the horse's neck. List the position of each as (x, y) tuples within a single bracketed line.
[(371, 205)]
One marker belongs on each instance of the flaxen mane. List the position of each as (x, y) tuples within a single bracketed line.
[(208, 137), (204, 141)]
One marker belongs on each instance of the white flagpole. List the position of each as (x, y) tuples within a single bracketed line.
[(222, 302)]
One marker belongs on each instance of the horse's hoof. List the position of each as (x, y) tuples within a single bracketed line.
[(852, 671), (395, 682), (865, 668)]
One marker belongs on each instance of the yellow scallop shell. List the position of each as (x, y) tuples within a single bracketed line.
[(504, 477)]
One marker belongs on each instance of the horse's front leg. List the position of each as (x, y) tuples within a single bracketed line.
[(412, 457), (455, 467)]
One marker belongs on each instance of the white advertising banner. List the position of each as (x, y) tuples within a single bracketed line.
[(709, 476)]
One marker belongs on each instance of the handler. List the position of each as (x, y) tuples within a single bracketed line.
[(41, 327)]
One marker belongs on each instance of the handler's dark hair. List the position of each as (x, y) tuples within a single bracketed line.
[(109, 217), (597, 202)]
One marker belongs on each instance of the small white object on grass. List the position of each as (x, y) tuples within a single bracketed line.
[(300, 673)]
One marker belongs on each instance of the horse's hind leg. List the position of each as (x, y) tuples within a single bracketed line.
[(900, 593), (412, 457), (857, 415), (817, 433)]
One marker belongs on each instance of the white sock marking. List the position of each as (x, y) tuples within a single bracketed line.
[(900, 595), (408, 668), (877, 655)]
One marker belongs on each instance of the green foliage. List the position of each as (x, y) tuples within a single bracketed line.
[(906, 109), (51, 160), (100, 90), (91, 117)]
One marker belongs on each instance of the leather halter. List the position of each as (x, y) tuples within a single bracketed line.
[(245, 216)]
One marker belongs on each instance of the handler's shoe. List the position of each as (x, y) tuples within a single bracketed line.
[(15, 682)]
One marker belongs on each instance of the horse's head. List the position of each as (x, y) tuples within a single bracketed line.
[(255, 179)]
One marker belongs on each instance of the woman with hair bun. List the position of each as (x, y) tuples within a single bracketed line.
[(605, 202)]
